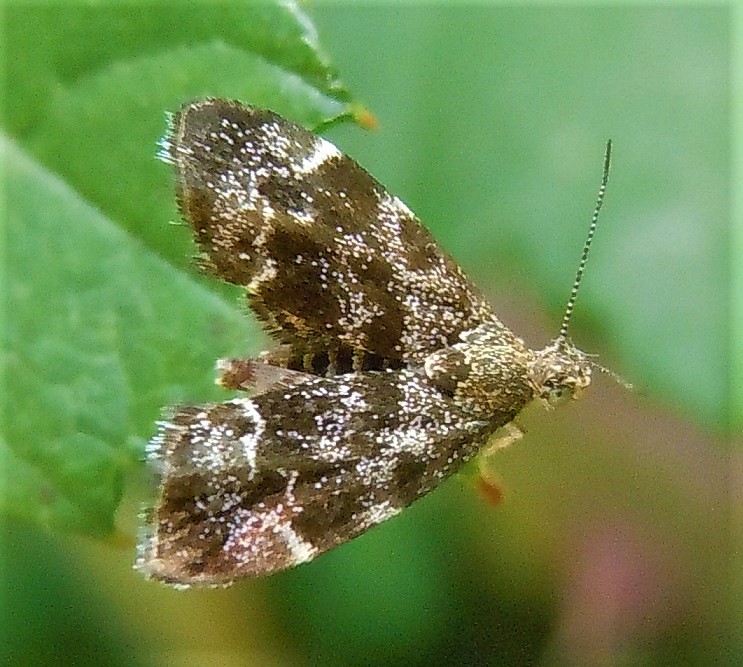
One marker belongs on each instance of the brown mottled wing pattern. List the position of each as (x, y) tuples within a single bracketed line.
[(255, 485), (332, 262), (414, 372)]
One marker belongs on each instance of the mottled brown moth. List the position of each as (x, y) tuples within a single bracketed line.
[(390, 369)]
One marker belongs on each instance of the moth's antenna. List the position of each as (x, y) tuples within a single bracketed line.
[(617, 378), (587, 245)]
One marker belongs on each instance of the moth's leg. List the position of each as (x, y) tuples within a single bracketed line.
[(489, 485), (256, 376), (503, 437)]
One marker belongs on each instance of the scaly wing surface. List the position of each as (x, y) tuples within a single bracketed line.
[(255, 485), (329, 257)]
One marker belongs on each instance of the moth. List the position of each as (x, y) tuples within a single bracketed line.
[(390, 369)]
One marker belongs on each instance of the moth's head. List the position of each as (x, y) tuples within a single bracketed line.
[(559, 371)]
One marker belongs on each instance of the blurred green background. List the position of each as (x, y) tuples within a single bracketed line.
[(613, 544)]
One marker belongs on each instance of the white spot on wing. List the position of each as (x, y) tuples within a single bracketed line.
[(378, 513), (251, 441), (323, 152), (301, 551)]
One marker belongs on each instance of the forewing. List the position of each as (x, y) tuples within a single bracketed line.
[(252, 486), (328, 256)]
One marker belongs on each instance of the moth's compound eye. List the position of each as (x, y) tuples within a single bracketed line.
[(560, 394)]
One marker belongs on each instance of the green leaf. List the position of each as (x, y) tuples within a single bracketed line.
[(99, 333), (55, 45), (93, 107), (120, 137), (107, 320)]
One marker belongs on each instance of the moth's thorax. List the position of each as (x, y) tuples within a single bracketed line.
[(487, 370), (558, 371)]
